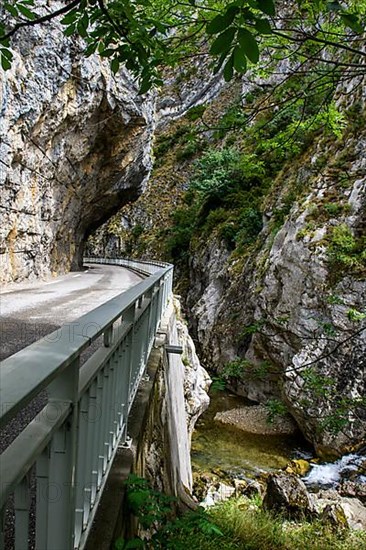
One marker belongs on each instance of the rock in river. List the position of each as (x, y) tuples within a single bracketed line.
[(254, 420)]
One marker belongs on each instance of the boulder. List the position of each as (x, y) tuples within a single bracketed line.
[(299, 467), (355, 513), (254, 488), (254, 420), (286, 493), (217, 493), (333, 514), (341, 511), (353, 489), (202, 481)]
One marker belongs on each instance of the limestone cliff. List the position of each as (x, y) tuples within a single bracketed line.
[(292, 315), (283, 316), (75, 146)]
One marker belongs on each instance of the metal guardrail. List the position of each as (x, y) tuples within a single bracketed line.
[(141, 266), (70, 445)]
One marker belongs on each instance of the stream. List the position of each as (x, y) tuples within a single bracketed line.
[(226, 450), (229, 452)]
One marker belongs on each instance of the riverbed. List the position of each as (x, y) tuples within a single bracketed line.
[(220, 448)]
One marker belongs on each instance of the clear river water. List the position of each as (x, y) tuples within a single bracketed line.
[(225, 449)]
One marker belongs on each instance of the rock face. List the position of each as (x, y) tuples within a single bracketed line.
[(180, 397), (302, 295), (196, 379), (343, 512), (75, 146)]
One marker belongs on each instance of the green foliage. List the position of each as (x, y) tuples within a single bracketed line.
[(234, 118), (289, 131), (145, 35), (178, 237), (148, 505), (345, 251), (334, 299), (240, 524), (235, 369), (254, 327), (319, 384), (154, 511), (317, 387), (165, 142), (122, 544), (221, 198), (244, 369), (193, 146), (217, 173), (333, 209), (184, 141), (218, 384), (323, 387), (196, 112), (246, 526), (228, 184), (275, 408), (133, 239), (355, 315)]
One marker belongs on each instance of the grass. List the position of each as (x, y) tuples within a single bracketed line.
[(246, 526)]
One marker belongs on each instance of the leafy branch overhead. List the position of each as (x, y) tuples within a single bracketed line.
[(145, 35)]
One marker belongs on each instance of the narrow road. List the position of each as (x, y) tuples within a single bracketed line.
[(29, 311)]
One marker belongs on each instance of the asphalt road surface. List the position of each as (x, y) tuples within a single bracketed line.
[(29, 311)]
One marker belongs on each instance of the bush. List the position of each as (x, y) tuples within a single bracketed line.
[(346, 251), (220, 172), (179, 237), (195, 112), (250, 225), (215, 173)]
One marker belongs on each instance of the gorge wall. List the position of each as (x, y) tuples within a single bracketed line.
[(289, 319), (75, 144), (273, 275)]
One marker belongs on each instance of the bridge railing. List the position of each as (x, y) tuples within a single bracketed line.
[(67, 450), (141, 266)]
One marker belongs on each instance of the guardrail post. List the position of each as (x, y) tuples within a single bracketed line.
[(21, 508), (2, 528), (62, 464), (126, 366), (42, 473), (83, 469), (108, 336)]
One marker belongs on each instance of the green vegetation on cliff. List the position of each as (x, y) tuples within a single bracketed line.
[(238, 169)]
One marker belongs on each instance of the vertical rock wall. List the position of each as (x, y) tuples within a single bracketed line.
[(74, 146), (294, 311)]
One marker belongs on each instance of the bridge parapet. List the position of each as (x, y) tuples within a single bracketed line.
[(69, 447)]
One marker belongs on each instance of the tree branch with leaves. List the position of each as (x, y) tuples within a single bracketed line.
[(146, 35)]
